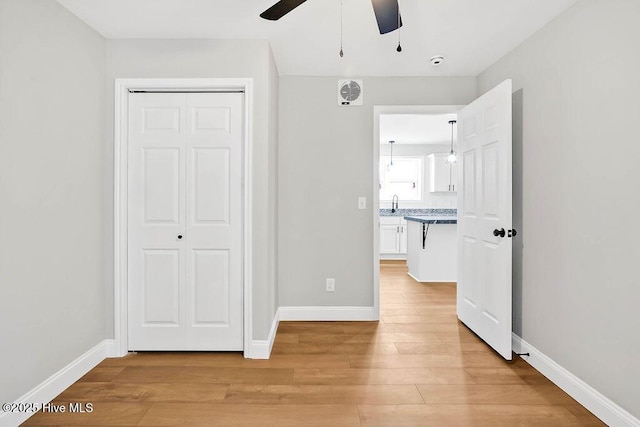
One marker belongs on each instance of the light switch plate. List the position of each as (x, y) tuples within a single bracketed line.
[(330, 285), (362, 203)]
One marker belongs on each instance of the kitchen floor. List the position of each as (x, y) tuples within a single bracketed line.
[(418, 366)]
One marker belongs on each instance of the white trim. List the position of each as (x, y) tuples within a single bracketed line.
[(377, 111), (451, 282), (261, 349), (58, 382), (122, 87), (587, 396), (393, 257), (319, 314)]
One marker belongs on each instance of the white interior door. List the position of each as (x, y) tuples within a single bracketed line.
[(185, 221), (484, 217)]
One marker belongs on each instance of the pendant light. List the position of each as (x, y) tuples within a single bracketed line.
[(391, 161), (452, 158)]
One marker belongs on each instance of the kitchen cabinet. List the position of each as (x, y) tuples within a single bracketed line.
[(393, 237), (432, 253), (443, 175)]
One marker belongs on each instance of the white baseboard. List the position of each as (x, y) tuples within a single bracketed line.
[(449, 280), (261, 349), (393, 257), (590, 398), (58, 382), (328, 313)]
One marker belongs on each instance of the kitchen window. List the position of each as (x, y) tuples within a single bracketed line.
[(403, 178)]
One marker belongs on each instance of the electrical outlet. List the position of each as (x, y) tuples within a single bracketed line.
[(362, 203), (331, 285)]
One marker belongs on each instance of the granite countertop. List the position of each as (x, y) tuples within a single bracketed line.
[(420, 212), (433, 219)]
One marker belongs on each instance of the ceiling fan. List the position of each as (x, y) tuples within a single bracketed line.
[(387, 13)]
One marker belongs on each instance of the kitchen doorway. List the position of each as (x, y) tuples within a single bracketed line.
[(418, 135)]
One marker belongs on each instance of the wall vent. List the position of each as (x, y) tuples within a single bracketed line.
[(349, 92)]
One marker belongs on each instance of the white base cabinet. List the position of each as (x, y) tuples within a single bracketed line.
[(393, 237)]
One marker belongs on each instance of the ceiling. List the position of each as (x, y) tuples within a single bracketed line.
[(470, 34), (416, 128)]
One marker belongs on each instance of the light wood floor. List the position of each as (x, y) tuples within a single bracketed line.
[(417, 367)]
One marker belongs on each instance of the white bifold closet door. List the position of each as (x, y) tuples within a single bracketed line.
[(185, 221)]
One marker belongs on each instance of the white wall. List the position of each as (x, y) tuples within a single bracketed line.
[(127, 58), (274, 89), (429, 199), (576, 287), (325, 163), (52, 306)]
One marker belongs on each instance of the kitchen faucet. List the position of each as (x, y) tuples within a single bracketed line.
[(394, 203)]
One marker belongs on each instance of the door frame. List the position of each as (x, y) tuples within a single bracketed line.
[(120, 186), (377, 111)]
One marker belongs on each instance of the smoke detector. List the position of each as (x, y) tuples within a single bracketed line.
[(350, 92), (436, 60)]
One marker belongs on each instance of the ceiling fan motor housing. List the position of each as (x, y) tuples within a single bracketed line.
[(350, 92)]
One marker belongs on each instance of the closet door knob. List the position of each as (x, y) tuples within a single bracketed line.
[(500, 232), (179, 236)]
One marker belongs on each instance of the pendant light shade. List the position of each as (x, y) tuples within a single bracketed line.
[(452, 157)]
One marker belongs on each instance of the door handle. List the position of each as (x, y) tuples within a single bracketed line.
[(179, 236), (500, 232), (512, 233)]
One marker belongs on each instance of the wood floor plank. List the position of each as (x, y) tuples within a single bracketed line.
[(350, 348), (339, 360), (323, 394), (440, 347), (462, 360), (498, 376), (429, 318), (204, 375), (394, 337), (482, 394), (417, 327), (467, 415), (383, 376), (121, 413), (149, 392), (417, 311), (150, 358), (333, 327), (218, 415), (286, 337)]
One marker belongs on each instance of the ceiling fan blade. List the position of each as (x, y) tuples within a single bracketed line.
[(280, 9), (387, 14)]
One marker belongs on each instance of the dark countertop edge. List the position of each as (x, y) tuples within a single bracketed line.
[(433, 219), (384, 212)]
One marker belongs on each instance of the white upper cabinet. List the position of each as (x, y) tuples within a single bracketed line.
[(443, 175)]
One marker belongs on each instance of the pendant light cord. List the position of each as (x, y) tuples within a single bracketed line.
[(341, 25), (399, 48), (398, 25)]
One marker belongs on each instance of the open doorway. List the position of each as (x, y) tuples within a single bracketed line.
[(410, 142)]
